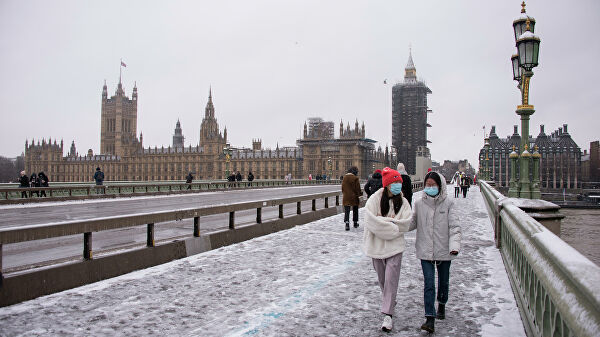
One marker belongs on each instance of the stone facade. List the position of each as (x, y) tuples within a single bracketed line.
[(124, 158), (560, 164)]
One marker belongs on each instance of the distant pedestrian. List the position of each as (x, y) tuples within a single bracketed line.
[(387, 218), (457, 180), (309, 177), (407, 190), (250, 176), (34, 182), (238, 178), (374, 183), (23, 183), (351, 192), (437, 242), (464, 185), (99, 178), (43, 178), (188, 180)]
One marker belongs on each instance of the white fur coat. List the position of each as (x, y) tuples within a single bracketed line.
[(384, 235)]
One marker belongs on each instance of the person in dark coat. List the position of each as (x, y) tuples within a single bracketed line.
[(238, 176), (407, 190), (99, 176), (23, 183), (43, 178), (374, 183), (464, 185), (188, 180), (250, 176), (34, 182), (351, 192)]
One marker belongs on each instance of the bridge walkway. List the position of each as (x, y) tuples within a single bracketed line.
[(312, 280)]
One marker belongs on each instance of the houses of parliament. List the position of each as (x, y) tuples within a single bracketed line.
[(123, 156)]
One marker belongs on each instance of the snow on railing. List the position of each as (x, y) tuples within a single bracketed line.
[(555, 285)]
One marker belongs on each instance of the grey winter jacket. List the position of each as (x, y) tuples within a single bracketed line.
[(438, 228)]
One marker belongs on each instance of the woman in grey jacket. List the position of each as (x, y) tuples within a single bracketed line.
[(437, 243)]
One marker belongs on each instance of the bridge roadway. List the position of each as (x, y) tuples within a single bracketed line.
[(312, 280), (39, 253)]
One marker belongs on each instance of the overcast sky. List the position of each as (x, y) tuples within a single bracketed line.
[(273, 64)]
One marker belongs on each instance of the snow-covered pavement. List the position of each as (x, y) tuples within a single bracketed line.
[(312, 280)]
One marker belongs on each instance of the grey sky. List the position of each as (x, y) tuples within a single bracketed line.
[(272, 64)]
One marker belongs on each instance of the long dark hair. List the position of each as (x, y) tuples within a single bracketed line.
[(385, 202)]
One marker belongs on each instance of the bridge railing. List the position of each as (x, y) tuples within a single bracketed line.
[(556, 286), (128, 188), (87, 227)]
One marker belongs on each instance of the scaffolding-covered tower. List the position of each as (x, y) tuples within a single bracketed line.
[(409, 117)]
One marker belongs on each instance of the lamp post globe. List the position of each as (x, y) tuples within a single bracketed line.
[(528, 47), (516, 68), (520, 23)]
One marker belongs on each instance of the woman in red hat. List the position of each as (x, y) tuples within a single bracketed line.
[(387, 216)]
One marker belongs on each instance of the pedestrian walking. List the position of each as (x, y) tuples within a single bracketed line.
[(250, 176), (238, 178), (34, 182), (387, 218), (188, 180), (351, 192), (43, 178), (374, 183), (437, 243), (464, 185), (99, 178), (407, 190), (457, 180), (23, 183)]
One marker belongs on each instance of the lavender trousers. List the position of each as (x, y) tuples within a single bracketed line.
[(388, 273)]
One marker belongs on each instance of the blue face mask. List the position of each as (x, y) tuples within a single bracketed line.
[(396, 188), (431, 191)]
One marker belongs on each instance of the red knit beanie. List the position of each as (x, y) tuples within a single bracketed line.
[(378, 171), (390, 176)]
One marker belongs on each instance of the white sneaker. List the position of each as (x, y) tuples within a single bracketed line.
[(387, 324)]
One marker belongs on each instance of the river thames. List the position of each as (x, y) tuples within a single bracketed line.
[(581, 229)]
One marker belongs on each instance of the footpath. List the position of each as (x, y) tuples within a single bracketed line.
[(312, 280)]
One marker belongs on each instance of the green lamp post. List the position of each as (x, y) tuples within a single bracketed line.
[(227, 152), (528, 46)]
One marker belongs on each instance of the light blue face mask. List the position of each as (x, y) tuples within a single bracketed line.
[(396, 188), (431, 191)]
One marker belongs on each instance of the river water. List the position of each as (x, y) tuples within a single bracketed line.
[(581, 229)]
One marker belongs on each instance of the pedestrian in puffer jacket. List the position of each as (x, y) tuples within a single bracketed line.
[(374, 183), (407, 189), (387, 217), (438, 242)]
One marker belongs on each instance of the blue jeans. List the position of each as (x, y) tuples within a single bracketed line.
[(443, 268)]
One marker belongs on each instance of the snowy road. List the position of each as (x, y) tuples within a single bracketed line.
[(312, 280)]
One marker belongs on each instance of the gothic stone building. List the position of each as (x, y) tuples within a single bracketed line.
[(123, 157), (560, 164), (409, 117)]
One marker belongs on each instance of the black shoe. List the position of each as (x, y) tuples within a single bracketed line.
[(356, 225), (347, 226), (441, 312), (429, 325)]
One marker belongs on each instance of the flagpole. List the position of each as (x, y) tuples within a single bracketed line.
[(120, 69)]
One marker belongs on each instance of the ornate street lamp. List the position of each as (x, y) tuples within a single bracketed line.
[(528, 47), (227, 152)]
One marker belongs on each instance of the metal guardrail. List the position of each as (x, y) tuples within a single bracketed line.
[(556, 286), (132, 188), (87, 227)]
